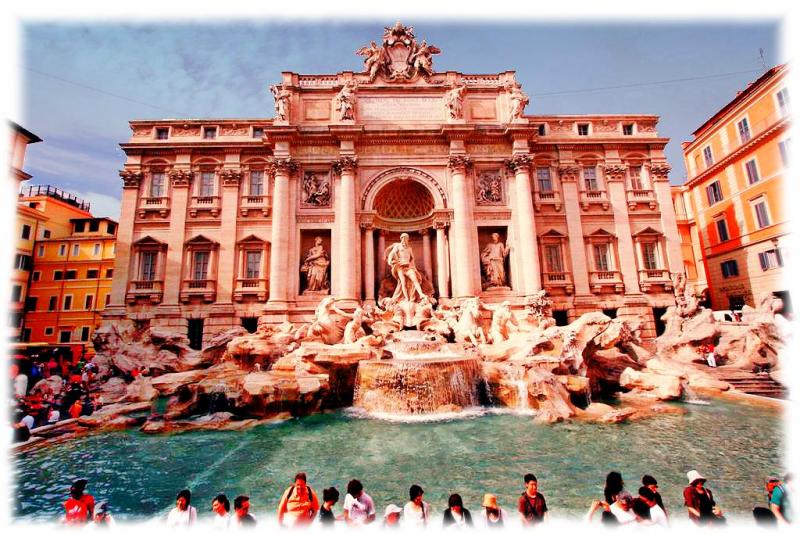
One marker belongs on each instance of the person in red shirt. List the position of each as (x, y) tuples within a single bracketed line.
[(76, 409), (79, 508)]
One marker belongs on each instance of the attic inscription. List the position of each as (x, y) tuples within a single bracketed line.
[(401, 108)]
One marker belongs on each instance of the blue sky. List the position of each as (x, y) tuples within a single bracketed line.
[(84, 82)]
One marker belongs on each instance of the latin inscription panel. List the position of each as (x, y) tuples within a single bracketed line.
[(401, 109)]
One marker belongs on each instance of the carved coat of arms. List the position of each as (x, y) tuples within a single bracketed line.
[(400, 57)]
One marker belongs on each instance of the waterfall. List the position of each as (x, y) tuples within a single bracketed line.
[(523, 401), (691, 397)]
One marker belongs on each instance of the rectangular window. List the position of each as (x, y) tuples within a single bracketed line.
[(96, 249), (543, 176), (64, 336), (157, 184), (26, 232), (162, 133), (762, 215), (590, 178), (67, 302), (71, 274), (714, 193), (752, 171), (85, 330), (783, 101), (583, 129), (209, 132), (111, 228), (58, 275), (23, 262), (770, 259), (784, 147), (62, 249), (256, 183), (30, 303), (16, 293), (148, 268), (552, 256), (108, 299), (649, 257), (541, 130), (37, 275), (88, 303), (627, 129), (109, 273), (601, 259), (729, 268), (80, 226), (744, 130), (48, 331), (722, 230), (200, 270), (40, 251), (206, 184), (258, 132), (708, 156), (51, 306), (93, 273), (26, 335), (45, 234), (253, 264), (94, 225), (635, 174), (76, 249)]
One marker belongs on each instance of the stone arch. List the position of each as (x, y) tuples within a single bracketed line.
[(408, 173)]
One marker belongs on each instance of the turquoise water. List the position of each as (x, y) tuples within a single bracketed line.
[(734, 446)]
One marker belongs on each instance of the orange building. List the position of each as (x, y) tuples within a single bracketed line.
[(732, 201), (71, 282)]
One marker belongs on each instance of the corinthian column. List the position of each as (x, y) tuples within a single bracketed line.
[(427, 259), (181, 182), (529, 259), (227, 242), (463, 228), (344, 266), (279, 252), (369, 263), (442, 277)]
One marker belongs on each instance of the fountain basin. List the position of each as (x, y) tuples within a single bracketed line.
[(417, 386)]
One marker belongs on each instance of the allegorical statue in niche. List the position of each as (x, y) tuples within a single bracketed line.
[(345, 102), (282, 100), (400, 258), (518, 101), (315, 266), (493, 259), (316, 189), (454, 100)]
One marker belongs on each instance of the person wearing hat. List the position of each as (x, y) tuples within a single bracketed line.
[(699, 501), (102, 517), (649, 482), (79, 508), (492, 515), (391, 516)]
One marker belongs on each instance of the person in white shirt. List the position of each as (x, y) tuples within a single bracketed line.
[(622, 508), (29, 421), (358, 506), (221, 507), (492, 515), (183, 515), (416, 511), (657, 514)]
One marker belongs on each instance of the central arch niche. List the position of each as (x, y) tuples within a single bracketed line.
[(404, 200)]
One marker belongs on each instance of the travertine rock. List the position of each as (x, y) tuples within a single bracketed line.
[(648, 384), (55, 384)]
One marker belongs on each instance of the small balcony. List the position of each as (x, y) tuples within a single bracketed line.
[(210, 204), (594, 197), (641, 197), (257, 287), (262, 203), (204, 289), (151, 290), (158, 205), (650, 279), (558, 280), (547, 198), (606, 281)]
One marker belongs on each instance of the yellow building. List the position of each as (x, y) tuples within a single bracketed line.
[(71, 282), (26, 227), (737, 166)]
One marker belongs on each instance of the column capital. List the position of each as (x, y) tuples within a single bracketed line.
[(440, 225), (367, 225), (424, 231), (130, 178), (230, 177), (286, 165), (180, 177), (459, 163), (660, 171), (344, 163), (568, 173), (614, 172), (520, 162)]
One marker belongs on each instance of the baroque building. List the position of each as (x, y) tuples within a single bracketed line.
[(227, 221)]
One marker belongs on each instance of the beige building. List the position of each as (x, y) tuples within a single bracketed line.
[(224, 221)]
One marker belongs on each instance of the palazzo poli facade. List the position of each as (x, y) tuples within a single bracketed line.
[(226, 221)]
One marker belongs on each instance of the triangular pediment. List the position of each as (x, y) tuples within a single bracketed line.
[(648, 231)]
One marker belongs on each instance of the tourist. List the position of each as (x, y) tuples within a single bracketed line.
[(299, 504), (358, 506), (221, 507), (641, 511), (79, 508), (102, 517), (391, 516), (608, 518), (28, 421), (657, 514), (531, 506), (699, 501), (21, 432), (492, 514), (76, 409), (621, 509), (330, 496), (614, 486), (20, 385), (183, 515), (456, 516), (779, 509), (415, 512), (242, 518), (652, 484)]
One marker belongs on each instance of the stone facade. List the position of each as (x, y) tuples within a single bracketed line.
[(219, 218)]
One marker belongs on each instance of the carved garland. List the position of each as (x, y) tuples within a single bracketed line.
[(660, 171), (615, 172), (568, 172), (459, 163), (180, 177)]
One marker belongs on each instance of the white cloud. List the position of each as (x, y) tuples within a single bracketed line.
[(102, 205)]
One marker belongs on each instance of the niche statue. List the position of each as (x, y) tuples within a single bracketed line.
[(315, 267)]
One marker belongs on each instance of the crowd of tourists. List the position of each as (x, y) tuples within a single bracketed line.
[(302, 506)]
